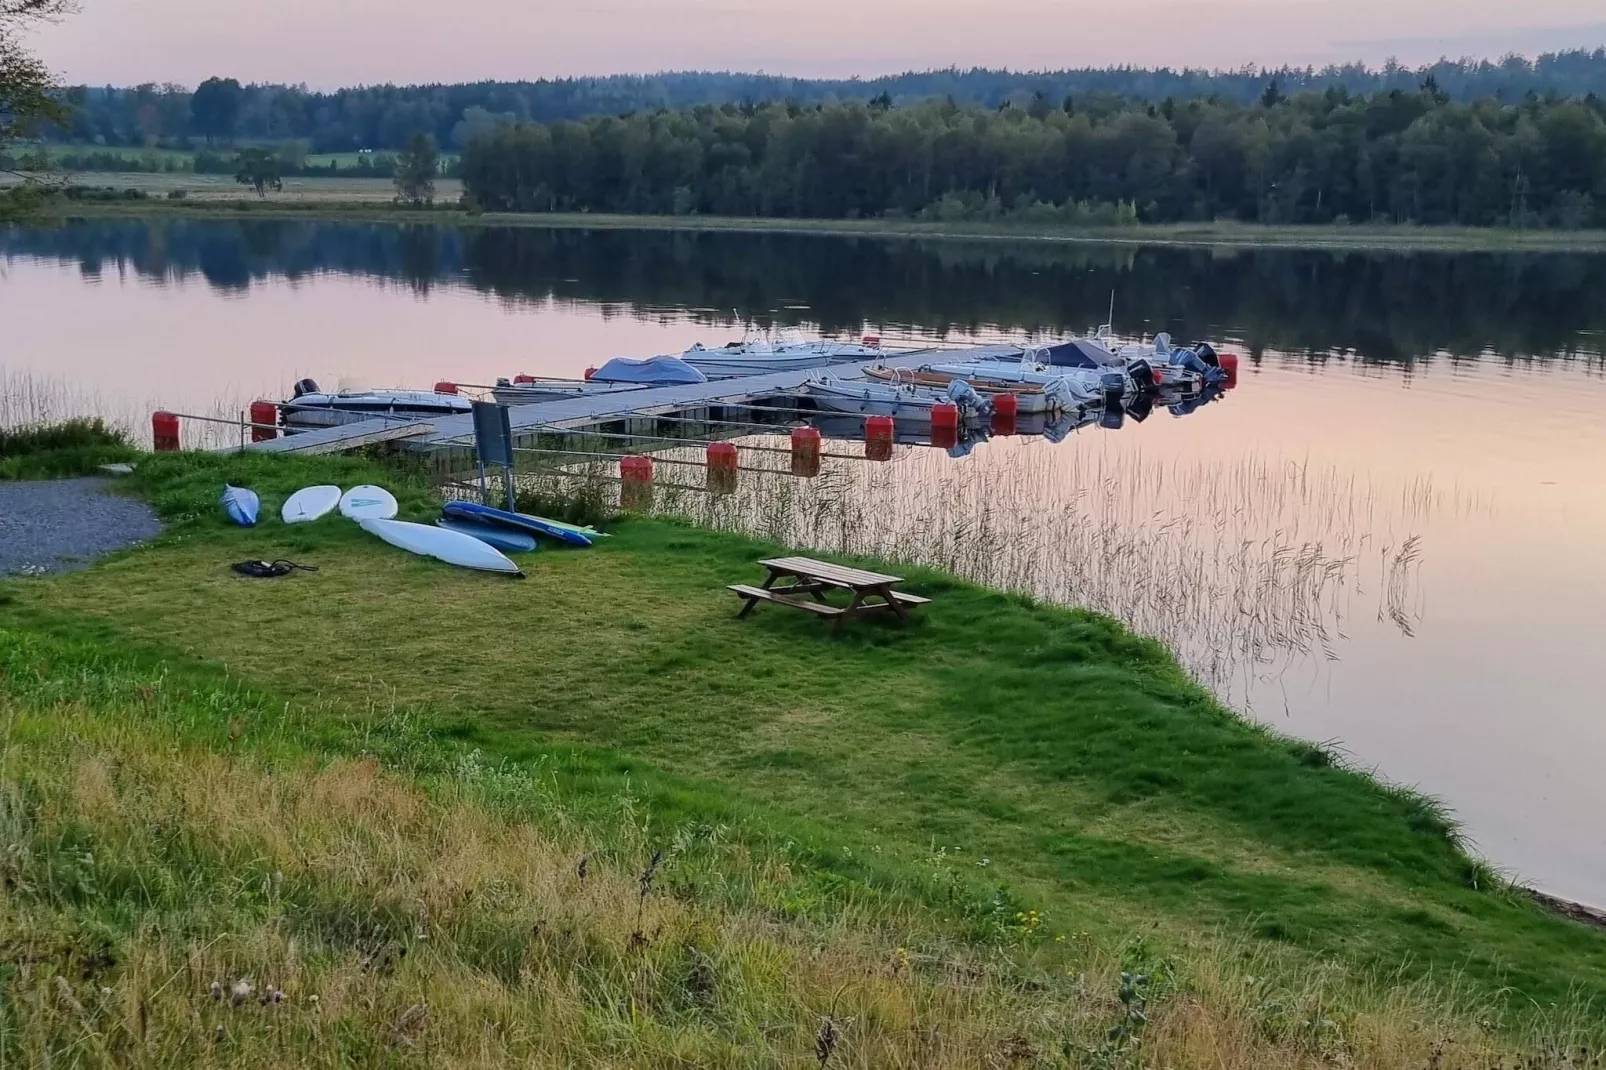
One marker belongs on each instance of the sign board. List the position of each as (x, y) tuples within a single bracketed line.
[(493, 435)]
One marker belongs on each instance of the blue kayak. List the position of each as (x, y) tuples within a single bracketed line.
[(473, 512), (504, 539), (241, 505)]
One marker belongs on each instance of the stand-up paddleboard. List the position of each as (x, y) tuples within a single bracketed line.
[(241, 505), (578, 529), (310, 503), (505, 539), (484, 514), (452, 547), (368, 503)]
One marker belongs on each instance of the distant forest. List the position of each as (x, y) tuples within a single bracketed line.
[(382, 117), (1401, 156)]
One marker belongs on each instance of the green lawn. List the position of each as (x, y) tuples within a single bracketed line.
[(992, 758)]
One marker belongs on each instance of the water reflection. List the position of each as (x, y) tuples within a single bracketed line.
[(1314, 305)]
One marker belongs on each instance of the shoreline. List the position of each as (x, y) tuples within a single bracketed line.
[(312, 206)]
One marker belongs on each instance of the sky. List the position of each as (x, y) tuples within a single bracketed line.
[(330, 43)]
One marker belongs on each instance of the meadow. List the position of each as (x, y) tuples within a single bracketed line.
[(393, 811)]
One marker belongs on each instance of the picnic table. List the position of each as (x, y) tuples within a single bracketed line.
[(872, 592)]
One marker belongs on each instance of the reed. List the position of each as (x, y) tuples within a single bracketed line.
[(1244, 566)]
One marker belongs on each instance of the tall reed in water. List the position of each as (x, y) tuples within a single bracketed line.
[(1242, 565)]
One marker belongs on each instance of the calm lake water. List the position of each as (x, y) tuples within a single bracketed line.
[(1390, 537)]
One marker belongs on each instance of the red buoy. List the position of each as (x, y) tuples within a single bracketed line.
[(264, 421), (1006, 410), (444, 387), (721, 467), (805, 451), (164, 432), (635, 482), (518, 379), (945, 425), (878, 438), (1229, 364)]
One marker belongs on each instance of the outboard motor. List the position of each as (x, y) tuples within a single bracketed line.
[(1187, 358), (1143, 374), (1058, 391), (305, 386), (1205, 353), (1113, 386), (1141, 407), (964, 395)]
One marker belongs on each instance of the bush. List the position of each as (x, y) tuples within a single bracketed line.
[(53, 451), (177, 194)]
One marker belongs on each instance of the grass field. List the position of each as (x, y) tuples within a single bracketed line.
[(368, 199), (947, 840)]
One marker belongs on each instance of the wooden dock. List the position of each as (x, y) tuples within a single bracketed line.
[(530, 420)]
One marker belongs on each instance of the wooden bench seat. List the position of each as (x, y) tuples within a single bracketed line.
[(800, 603)]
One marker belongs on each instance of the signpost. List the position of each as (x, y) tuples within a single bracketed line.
[(493, 445)]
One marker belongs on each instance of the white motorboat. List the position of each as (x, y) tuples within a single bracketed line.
[(1036, 393), (759, 356), (903, 401), (311, 407)]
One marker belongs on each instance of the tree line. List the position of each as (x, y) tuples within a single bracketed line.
[(1330, 157), (383, 117)]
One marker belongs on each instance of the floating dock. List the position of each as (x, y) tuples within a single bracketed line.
[(538, 417)]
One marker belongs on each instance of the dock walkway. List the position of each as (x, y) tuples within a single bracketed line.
[(537, 417)]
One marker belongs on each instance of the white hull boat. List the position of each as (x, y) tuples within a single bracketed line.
[(1035, 394), (903, 401), (311, 407), (760, 357)]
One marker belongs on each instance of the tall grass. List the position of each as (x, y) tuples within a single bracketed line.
[(71, 448), (31, 400), (187, 882)]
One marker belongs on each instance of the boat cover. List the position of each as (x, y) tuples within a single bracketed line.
[(1078, 353), (653, 371)]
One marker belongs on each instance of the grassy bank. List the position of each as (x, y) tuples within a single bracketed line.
[(370, 200), (374, 783)]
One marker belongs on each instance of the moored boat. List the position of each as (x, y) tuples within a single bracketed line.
[(311, 407), (763, 355), (1045, 393), (904, 401)]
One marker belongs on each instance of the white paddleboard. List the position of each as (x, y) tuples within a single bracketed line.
[(443, 544), (310, 503), (368, 503)]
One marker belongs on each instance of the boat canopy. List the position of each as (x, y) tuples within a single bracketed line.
[(654, 371), (1077, 353)]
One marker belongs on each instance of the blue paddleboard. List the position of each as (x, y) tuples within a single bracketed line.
[(484, 514), (241, 505), (504, 539)]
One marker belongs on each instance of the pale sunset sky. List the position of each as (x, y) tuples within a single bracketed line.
[(329, 43)]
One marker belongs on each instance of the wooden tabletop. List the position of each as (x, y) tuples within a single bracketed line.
[(825, 570)]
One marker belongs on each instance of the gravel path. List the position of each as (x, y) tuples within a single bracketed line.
[(66, 523)]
